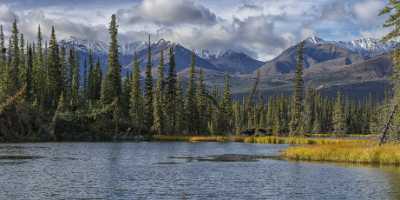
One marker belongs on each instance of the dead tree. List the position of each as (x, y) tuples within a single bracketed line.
[(384, 136)]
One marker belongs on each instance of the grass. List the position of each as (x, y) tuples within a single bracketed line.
[(359, 151), (350, 152)]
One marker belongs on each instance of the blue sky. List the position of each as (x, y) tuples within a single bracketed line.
[(261, 28)]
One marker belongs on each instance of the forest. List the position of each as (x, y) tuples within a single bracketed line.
[(48, 94)]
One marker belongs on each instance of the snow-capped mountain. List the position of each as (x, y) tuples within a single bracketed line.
[(85, 45), (368, 47)]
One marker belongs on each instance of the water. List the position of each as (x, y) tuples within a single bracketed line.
[(147, 171)]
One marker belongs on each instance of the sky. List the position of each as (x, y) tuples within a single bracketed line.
[(260, 28)]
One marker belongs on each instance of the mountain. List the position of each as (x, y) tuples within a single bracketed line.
[(320, 52), (228, 62), (235, 62), (367, 47), (357, 67)]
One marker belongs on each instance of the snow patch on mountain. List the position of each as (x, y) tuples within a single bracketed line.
[(368, 47)]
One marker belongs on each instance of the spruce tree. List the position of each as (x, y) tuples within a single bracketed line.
[(22, 62), (75, 80), (111, 87), (3, 65), (97, 81), (226, 107), (13, 73), (55, 86), (191, 102), (298, 89), (91, 79), (136, 98), (28, 77), (2, 46), (39, 71), (159, 118), (148, 92), (85, 84), (171, 103), (339, 120), (180, 121), (201, 97)]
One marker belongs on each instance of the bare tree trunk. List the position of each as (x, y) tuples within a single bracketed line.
[(384, 136)]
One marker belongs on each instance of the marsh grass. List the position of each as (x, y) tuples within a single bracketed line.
[(358, 151), (350, 152)]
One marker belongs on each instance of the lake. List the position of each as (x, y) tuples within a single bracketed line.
[(172, 171)]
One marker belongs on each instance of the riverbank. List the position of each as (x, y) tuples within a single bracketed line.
[(353, 152), (360, 150), (261, 139)]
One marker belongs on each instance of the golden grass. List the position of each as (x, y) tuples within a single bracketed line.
[(360, 151), (351, 152)]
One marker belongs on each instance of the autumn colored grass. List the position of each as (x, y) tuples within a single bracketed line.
[(351, 152)]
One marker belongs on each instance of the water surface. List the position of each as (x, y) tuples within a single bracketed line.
[(53, 171)]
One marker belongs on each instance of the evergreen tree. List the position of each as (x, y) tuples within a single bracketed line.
[(22, 62), (226, 107), (64, 70), (13, 73), (180, 121), (297, 109), (91, 79), (97, 81), (191, 102), (136, 99), (202, 103), (112, 83), (74, 65), (148, 93), (171, 102), (55, 86), (39, 72), (3, 65), (159, 119), (339, 119), (85, 84), (2, 46), (28, 77)]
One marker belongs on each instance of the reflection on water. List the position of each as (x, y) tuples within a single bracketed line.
[(163, 171)]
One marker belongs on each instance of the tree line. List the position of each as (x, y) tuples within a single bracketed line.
[(64, 90)]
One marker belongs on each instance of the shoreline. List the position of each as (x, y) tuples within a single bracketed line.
[(354, 149)]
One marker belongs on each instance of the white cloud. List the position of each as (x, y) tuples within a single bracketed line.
[(261, 28), (166, 12), (367, 11)]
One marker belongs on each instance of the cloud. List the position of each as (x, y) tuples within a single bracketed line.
[(169, 13), (367, 11), (6, 15), (261, 28), (28, 24)]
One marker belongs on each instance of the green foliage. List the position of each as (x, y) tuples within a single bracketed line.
[(296, 123), (159, 103), (111, 87), (191, 101), (114, 107), (148, 93), (136, 98)]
